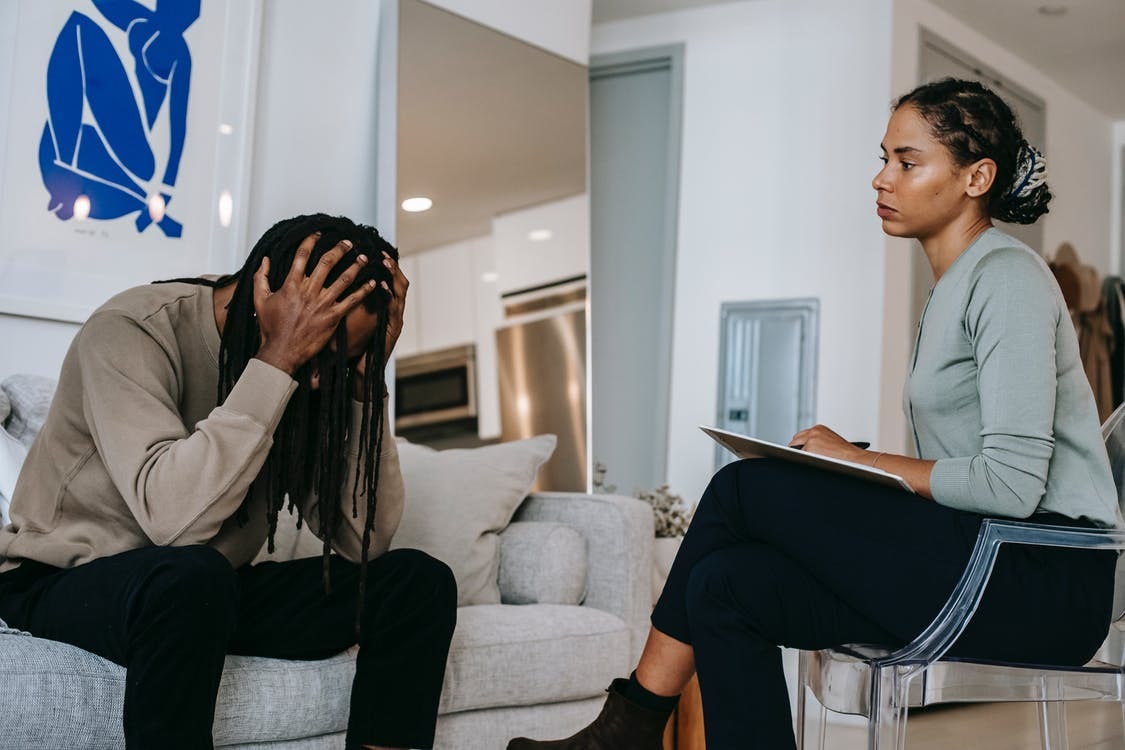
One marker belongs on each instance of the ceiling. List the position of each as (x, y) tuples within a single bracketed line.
[(1083, 49), (487, 124)]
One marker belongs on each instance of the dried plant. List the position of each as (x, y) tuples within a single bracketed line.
[(599, 480), (671, 513)]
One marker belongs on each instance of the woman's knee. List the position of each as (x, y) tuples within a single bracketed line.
[(738, 578), (705, 582)]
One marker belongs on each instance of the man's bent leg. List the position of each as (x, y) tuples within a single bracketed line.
[(164, 613), (408, 619)]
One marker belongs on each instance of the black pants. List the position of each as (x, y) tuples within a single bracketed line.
[(783, 555), (171, 614)]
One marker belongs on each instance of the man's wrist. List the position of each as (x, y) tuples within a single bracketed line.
[(276, 359)]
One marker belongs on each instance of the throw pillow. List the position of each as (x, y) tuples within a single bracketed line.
[(30, 398), (458, 500), (542, 563)]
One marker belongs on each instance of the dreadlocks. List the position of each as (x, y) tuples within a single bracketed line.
[(309, 450)]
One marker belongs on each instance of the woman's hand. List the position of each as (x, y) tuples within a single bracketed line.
[(297, 320), (824, 442)]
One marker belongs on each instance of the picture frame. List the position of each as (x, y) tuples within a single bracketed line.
[(167, 180)]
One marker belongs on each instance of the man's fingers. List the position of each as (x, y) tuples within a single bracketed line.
[(344, 280), (301, 259), (345, 305), (398, 278), (262, 282), (326, 262)]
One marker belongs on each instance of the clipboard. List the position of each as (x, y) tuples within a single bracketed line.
[(748, 447)]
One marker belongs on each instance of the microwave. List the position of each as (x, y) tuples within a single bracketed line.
[(436, 389)]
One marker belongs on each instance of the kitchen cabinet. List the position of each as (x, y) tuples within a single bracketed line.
[(542, 244), (454, 301)]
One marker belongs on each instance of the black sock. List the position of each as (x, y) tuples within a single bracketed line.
[(635, 692)]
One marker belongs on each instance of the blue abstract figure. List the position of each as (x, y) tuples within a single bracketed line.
[(96, 142)]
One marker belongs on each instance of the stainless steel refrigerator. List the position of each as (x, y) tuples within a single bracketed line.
[(542, 372)]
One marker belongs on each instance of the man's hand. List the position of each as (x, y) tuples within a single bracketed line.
[(398, 302), (298, 319), (395, 311)]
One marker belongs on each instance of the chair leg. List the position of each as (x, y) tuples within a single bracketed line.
[(802, 681), (886, 725), (1052, 725), (802, 706)]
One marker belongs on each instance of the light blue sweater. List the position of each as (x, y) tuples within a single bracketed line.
[(996, 392)]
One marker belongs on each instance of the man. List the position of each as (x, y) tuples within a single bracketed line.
[(187, 414)]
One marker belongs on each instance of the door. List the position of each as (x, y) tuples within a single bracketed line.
[(634, 195)]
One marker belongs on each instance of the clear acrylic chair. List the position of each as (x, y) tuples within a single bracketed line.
[(884, 685)]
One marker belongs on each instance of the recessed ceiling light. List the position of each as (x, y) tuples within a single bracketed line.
[(540, 235), (1053, 11), (414, 205), (490, 277), (226, 128)]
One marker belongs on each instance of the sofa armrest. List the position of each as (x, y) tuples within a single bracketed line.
[(619, 532)]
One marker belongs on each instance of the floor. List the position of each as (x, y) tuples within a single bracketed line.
[(1011, 726)]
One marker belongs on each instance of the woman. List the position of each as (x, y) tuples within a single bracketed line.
[(188, 415), (1005, 424)]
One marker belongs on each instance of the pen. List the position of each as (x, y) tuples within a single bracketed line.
[(859, 444)]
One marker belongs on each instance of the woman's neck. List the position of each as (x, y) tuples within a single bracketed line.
[(944, 247)]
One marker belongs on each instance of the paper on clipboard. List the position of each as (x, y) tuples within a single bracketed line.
[(748, 447)]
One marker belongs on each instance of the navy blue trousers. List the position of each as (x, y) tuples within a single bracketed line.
[(171, 614), (781, 555)]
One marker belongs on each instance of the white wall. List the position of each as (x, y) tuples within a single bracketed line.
[(315, 148), (561, 27), (1078, 141), (785, 102), (315, 141)]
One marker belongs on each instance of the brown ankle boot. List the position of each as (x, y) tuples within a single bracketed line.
[(622, 725)]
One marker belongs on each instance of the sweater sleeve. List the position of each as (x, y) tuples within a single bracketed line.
[(1011, 318), (348, 539), (180, 484)]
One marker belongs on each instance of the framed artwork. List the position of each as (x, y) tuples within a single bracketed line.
[(125, 149)]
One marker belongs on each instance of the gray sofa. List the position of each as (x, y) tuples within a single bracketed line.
[(538, 669)]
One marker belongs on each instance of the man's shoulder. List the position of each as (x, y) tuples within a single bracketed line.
[(143, 303)]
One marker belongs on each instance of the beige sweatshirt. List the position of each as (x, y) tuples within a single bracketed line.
[(136, 452)]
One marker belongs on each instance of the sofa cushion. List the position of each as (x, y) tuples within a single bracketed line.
[(501, 655), (523, 655), (78, 697), (71, 698), (457, 500), (542, 563)]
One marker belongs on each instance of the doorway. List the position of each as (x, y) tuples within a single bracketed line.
[(635, 106)]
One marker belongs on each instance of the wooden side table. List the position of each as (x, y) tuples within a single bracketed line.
[(685, 727)]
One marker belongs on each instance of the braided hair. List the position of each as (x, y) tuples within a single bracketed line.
[(973, 123), (308, 453)]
